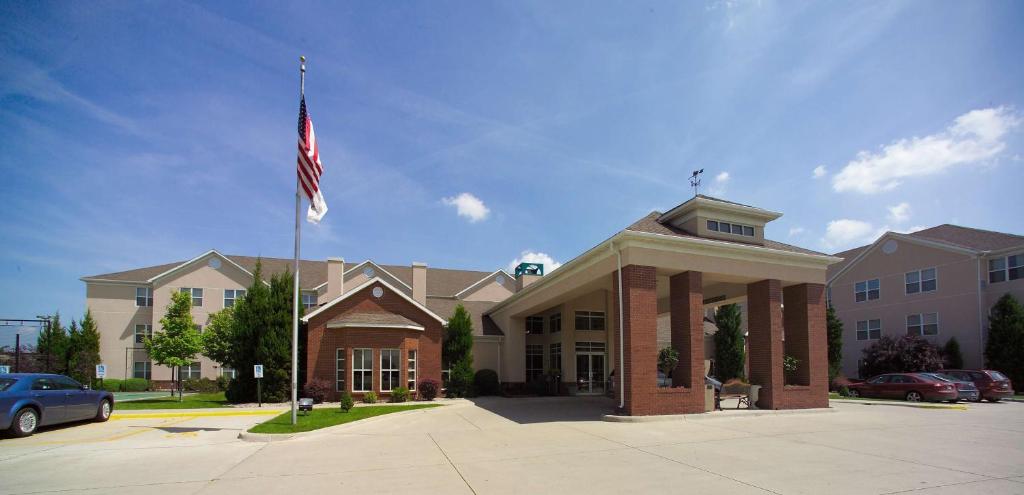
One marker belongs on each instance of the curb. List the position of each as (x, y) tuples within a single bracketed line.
[(246, 436), (952, 407), (713, 416), (194, 414)]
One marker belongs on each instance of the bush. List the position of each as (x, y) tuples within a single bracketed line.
[(222, 383), (400, 394), (345, 402), (907, 354), (109, 385), (486, 382), (460, 383), (201, 385), (844, 391), (135, 385), (317, 389), (370, 397), (428, 389)]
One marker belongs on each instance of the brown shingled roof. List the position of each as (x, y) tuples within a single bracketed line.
[(445, 306), (977, 239), (372, 318), (650, 224)]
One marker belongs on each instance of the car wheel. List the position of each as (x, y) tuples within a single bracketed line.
[(25, 422), (103, 412), (993, 399), (854, 393), (914, 396)]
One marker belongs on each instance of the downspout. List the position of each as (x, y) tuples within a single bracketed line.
[(981, 325), (622, 353)]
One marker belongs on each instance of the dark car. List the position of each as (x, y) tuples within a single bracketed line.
[(914, 387), (992, 385), (966, 389), (31, 400)]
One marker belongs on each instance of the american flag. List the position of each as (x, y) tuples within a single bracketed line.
[(309, 167)]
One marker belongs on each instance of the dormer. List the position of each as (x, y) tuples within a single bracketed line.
[(714, 218)]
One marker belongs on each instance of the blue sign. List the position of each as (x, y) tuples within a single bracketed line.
[(257, 370), (101, 371), (4, 369)]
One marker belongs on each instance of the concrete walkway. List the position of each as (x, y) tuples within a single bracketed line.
[(550, 445)]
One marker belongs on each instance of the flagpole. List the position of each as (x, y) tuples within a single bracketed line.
[(295, 295)]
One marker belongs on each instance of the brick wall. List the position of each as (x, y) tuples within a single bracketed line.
[(322, 341), (764, 340), (806, 339)]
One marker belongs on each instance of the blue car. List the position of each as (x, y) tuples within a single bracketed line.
[(31, 400)]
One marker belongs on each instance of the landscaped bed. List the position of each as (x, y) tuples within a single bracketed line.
[(191, 401), (325, 417)]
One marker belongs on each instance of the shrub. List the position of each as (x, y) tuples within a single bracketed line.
[(730, 354), (108, 385), (317, 389), (461, 381), (907, 354), (844, 391), (135, 385), (428, 389), (668, 359), (345, 402), (400, 394), (202, 385), (223, 382), (486, 382), (370, 397)]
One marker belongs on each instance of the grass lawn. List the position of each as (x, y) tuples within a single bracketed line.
[(193, 401), (324, 417)]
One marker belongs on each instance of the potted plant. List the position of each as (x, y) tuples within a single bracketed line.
[(668, 359)]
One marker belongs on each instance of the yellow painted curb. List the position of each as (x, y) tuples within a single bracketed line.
[(196, 414)]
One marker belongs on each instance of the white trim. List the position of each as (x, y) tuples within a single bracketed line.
[(903, 237), (366, 284), (701, 202), (90, 280), (478, 282), (376, 325), (377, 267)]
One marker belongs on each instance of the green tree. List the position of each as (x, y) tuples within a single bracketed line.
[(834, 327), (71, 350), (951, 355), (218, 337), (178, 341), (668, 359), (730, 355), (52, 344), (457, 352), (85, 345), (1004, 350)]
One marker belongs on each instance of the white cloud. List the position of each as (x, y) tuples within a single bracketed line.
[(820, 171), (718, 188), (899, 213), (528, 256), (846, 233), (974, 137), (722, 178), (468, 206), (794, 231)]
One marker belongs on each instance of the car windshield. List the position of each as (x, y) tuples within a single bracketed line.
[(998, 376), (5, 383)]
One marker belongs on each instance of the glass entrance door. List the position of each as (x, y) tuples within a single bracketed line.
[(589, 373)]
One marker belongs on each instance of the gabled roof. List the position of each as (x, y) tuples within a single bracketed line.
[(373, 320), (366, 285), (651, 225), (483, 280)]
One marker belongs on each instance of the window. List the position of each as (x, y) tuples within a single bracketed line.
[(309, 299), (555, 323), (197, 296), (590, 347), (339, 369), (724, 227), (142, 332), (143, 297), (534, 362), (730, 228), (748, 231), (920, 281), (923, 324), (534, 325), (411, 370), (555, 356), (737, 229), (1008, 268), (590, 320), (868, 290), (229, 373), (232, 295), (390, 361), (191, 372), (142, 369), (713, 225), (362, 370), (869, 329)]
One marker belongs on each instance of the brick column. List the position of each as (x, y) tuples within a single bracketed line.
[(806, 340), (640, 337), (764, 340), (686, 303)]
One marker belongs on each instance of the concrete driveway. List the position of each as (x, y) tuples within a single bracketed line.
[(554, 445)]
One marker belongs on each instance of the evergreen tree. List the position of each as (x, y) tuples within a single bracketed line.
[(71, 351), (178, 341), (951, 354), (87, 349), (52, 344), (457, 352), (834, 327), (1004, 350), (730, 355)]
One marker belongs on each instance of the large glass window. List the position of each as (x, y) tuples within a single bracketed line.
[(555, 356), (534, 362), (1015, 266), (142, 369), (867, 290), (555, 323), (534, 325), (143, 297), (590, 320), (411, 371), (920, 281), (390, 365), (339, 369), (191, 372), (1008, 268), (309, 299), (869, 329), (923, 324), (197, 296), (362, 370), (142, 332), (232, 295), (730, 228)]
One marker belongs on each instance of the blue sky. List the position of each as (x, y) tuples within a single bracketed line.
[(466, 134)]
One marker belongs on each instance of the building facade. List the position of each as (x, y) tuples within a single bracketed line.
[(937, 283)]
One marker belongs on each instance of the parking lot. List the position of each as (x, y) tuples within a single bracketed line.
[(537, 446)]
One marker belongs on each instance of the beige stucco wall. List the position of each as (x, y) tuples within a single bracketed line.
[(356, 277), (491, 291), (487, 353), (113, 308)]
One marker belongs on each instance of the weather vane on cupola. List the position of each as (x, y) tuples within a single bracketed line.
[(695, 180)]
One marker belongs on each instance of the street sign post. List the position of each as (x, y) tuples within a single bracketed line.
[(257, 371), (101, 373)]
